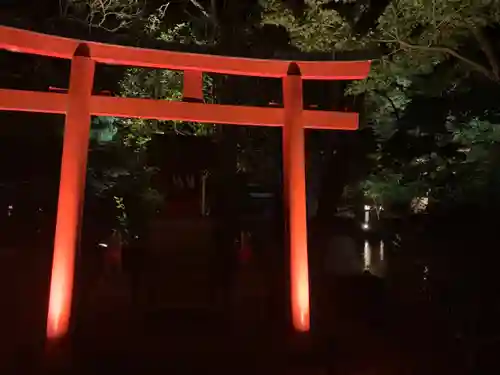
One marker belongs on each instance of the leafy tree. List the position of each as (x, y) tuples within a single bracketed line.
[(126, 178), (429, 57)]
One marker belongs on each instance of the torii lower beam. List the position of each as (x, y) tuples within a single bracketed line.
[(56, 103), (78, 105)]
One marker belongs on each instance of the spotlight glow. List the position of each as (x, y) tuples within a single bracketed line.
[(367, 256)]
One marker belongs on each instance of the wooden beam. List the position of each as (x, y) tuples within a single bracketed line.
[(44, 102), (184, 111), (32, 101), (192, 90), (17, 40)]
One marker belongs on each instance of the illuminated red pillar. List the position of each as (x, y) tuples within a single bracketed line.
[(295, 195), (71, 191), (193, 86)]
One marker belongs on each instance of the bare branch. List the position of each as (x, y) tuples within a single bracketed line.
[(200, 7), (100, 12)]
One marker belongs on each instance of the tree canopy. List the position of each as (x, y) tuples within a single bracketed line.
[(427, 99)]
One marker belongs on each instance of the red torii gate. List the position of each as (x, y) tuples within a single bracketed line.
[(79, 104)]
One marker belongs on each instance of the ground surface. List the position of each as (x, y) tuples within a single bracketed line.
[(360, 332)]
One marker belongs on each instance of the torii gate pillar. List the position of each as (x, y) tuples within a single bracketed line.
[(71, 191), (295, 197)]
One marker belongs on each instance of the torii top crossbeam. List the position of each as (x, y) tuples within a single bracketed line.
[(79, 104)]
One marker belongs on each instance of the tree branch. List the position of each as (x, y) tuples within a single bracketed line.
[(213, 5), (391, 102), (100, 11), (448, 51), (200, 8), (487, 49)]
